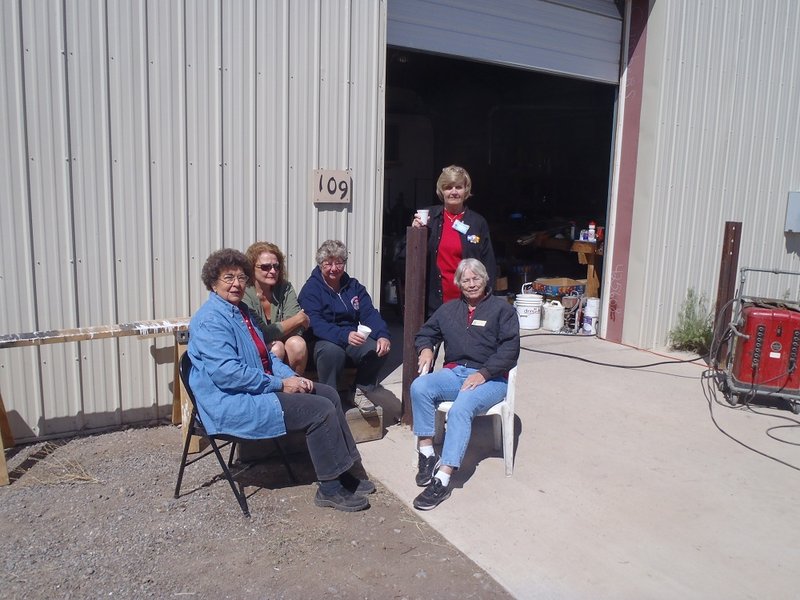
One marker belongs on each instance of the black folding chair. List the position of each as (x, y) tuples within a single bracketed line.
[(196, 428)]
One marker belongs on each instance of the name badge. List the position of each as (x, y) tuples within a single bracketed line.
[(460, 226), (479, 323)]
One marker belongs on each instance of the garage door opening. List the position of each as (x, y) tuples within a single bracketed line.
[(538, 148)]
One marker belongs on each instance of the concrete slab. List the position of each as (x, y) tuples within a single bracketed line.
[(623, 486)]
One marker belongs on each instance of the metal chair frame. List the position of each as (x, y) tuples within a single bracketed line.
[(196, 428)]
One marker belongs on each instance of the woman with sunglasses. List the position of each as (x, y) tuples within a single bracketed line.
[(244, 390), (273, 301)]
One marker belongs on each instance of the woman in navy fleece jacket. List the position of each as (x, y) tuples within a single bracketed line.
[(336, 304)]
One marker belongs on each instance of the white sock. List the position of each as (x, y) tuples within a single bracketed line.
[(426, 451), (443, 477)]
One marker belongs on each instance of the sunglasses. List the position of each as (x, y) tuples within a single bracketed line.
[(267, 267)]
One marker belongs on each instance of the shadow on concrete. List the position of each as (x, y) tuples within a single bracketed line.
[(480, 448)]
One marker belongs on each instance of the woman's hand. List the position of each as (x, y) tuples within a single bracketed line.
[(384, 345), (297, 385), (356, 339), (473, 381), (425, 361), (416, 222), (303, 318), (294, 324)]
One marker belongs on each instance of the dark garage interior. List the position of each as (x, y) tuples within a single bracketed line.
[(537, 146)]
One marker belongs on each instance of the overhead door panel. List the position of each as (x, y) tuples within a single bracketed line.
[(577, 38)]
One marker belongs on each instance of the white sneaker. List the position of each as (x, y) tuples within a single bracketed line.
[(364, 404)]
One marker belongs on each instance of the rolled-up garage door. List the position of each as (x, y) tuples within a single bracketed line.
[(576, 38)]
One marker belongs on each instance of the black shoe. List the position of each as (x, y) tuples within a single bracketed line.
[(426, 467), (356, 486), (432, 496), (342, 499)]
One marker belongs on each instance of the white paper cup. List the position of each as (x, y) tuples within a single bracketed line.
[(423, 215), (364, 330)]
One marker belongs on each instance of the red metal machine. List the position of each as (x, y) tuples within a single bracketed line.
[(764, 348)]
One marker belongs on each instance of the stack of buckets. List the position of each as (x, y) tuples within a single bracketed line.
[(529, 309)]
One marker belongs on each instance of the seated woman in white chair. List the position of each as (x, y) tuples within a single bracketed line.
[(481, 339)]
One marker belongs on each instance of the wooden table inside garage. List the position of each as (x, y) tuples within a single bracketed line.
[(587, 255)]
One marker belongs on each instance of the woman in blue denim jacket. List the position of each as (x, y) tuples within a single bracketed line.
[(244, 390)]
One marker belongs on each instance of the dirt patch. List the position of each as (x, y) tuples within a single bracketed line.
[(95, 517)]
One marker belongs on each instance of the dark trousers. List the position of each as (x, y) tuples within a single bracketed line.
[(330, 360), (319, 415)]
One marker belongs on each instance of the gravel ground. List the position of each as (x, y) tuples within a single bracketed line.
[(95, 517)]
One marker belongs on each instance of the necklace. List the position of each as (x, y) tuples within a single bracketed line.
[(453, 218)]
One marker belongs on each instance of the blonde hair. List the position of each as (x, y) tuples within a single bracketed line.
[(454, 175)]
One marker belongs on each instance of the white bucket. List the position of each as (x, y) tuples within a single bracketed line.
[(592, 307), (590, 315), (553, 315), (529, 310)]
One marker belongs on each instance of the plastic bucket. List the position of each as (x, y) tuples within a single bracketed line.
[(553, 315), (529, 310), (590, 314), (592, 307)]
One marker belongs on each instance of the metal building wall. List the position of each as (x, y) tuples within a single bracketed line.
[(136, 136), (719, 141)]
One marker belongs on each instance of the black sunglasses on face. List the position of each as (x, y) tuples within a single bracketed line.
[(267, 267)]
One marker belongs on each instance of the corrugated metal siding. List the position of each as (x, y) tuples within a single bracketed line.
[(719, 141), (138, 136), (19, 371), (580, 38)]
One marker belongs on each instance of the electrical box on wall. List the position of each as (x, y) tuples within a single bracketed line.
[(792, 224)]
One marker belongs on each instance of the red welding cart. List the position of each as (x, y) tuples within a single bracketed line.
[(764, 347)]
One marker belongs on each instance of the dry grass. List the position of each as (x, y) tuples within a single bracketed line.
[(46, 467)]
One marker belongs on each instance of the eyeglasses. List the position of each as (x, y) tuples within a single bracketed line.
[(339, 264), (267, 267), (230, 279)]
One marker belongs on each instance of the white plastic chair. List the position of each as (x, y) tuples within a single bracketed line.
[(503, 423)]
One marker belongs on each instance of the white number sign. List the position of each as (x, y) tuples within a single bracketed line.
[(329, 185)]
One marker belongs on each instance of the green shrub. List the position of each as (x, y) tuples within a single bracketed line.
[(695, 325)]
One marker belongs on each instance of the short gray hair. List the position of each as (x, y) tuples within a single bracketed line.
[(331, 249), (474, 265)]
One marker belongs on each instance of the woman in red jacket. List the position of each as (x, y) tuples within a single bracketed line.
[(455, 233)]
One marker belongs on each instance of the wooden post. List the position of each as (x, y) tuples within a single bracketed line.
[(181, 405), (414, 313), (6, 441), (3, 465), (178, 391), (5, 428), (726, 287)]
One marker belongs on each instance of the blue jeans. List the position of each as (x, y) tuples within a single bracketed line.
[(444, 386)]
